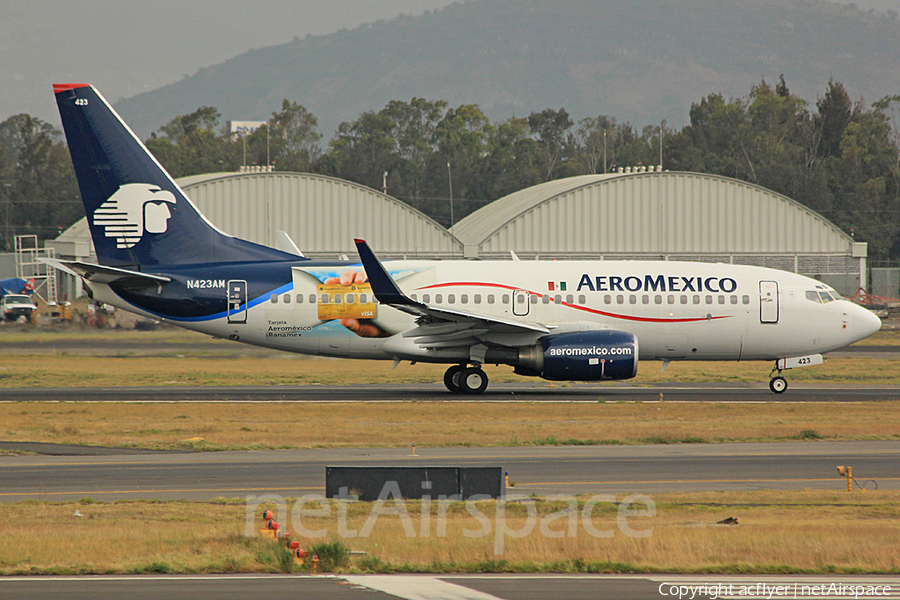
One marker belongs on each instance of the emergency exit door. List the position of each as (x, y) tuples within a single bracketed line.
[(768, 301), (520, 303), (237, 301)]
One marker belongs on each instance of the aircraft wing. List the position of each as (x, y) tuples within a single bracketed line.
[(102, 274), (440, 327)]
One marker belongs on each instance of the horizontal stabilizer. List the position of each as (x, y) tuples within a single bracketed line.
[(103, 274)]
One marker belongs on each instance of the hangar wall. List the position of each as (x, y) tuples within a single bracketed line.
[(321, 214), (664, 216)]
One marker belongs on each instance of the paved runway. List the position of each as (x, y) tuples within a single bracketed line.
[(450, 587), (541, 470), (537, 391)]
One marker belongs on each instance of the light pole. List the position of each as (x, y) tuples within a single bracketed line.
[(6, 191), (450, 184)]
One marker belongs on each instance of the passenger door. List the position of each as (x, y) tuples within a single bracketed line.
[(768, 302)]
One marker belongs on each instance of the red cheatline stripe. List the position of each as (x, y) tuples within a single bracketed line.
[(64, 87), (575, 306)]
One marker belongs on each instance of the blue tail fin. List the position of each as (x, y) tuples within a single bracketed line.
[(137, 214)]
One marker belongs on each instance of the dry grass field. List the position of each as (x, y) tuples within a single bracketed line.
[(777, 532), (305, 425)]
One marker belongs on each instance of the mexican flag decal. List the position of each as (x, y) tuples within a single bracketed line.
[(556, 286)]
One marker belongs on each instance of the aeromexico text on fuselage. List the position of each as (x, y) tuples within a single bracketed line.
[(656, 283)]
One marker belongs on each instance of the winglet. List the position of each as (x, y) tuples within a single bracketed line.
[(383, 285)]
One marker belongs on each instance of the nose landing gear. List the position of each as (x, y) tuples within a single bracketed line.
[(777, 384), (461, 379)]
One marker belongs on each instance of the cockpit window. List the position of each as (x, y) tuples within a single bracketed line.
[(814, 296), (826, 297)]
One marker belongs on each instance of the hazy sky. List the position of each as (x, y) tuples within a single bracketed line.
[(126, 47)]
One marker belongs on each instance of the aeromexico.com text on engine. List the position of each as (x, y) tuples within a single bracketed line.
[(592, 351)]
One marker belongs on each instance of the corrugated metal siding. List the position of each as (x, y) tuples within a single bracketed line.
[(665, 213), (321, 214)]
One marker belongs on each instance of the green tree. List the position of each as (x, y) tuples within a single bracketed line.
[(512, 162), (190, 145), (551, 128), (835, 111), (461, 141), (362, 151), (293, 141), (414, 127), (37, 182)]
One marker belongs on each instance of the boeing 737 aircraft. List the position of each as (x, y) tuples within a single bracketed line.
[(560, 320)]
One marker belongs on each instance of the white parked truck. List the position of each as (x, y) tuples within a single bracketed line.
[(15, 306)]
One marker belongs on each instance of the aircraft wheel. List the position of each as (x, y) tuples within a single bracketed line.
[(473, 381), (778, 385), (451, 378)]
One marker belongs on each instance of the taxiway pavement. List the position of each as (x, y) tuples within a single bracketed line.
[(532, 470)]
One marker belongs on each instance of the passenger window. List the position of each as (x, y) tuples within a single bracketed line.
[(684, 300), (464, 299), (287, 298), (490, 298), (557, 299), (505, 298), (620, 299), (438, 299), (813, 296), (426, 298), (324, 298), (657, 299), (645, 299), (671, 299), (696, 299), (534, 299), (351, 298), (709, 300), (274, 298), (337, 299), (632, 299), (607, 299), (721, 299), (545, 299), (734, 299), (299, 298), (413, 296), (312, 298), (477, 298), (570, 299), (745, 299), (451, 298), (582, 299), (362, 299)]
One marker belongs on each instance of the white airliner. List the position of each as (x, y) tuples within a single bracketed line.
[(560, 320)]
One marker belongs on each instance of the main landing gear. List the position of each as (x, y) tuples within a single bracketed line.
[(461, 379), (777, 384)]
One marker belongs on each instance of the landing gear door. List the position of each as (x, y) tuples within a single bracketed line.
[(237, 301), (520, 303), (768, 301)]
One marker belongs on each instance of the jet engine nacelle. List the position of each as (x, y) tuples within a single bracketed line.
[(581, 356)]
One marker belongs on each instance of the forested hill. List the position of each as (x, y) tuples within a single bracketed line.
[(636, 60)]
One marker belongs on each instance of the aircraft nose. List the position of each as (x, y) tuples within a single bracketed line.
[(865, 322)]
